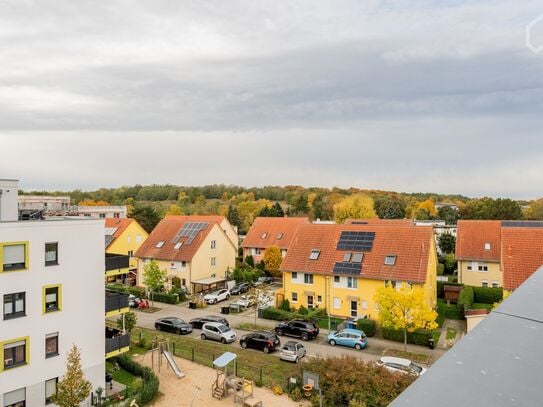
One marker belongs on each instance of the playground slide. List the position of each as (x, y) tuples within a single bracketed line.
[(173, 365)]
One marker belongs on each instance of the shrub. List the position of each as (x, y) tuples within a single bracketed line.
[(149, 388), (296, 394), (366, 325), (303, 310), (137, 291), (285, 305), (176, 282), (417, 337), (250, 260), (440, 289), (440, 269), (276, 314), (166, 298), (465, 299), (487, 295)]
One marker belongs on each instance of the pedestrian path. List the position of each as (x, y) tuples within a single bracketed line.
[(458, 325)]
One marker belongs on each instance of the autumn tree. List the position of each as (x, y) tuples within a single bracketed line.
[(73, 389), (404, 309), (357, 206), (447, 243), (129, 322), (90, 202), (535, 210), (448, 214), (153, 276), (490, 208), (389, 208), (272, 260), (174, 210)]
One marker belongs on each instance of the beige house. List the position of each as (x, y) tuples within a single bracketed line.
[(198, 250)]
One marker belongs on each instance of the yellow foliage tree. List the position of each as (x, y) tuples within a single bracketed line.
[(174, 210), (90, 202), (272, 260), (404, 309), (429, 206), (357, 206)]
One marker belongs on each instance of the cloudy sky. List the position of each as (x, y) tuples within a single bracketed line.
[(420, 95)]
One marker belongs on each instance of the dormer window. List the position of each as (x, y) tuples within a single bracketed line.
[(314, 254), (390, 260), (264, 235), (279, 236), (357, 257), (346, 257), (487, 246), (160, 244), (178, 246)]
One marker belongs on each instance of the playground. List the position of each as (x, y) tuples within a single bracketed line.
[(195, 387)]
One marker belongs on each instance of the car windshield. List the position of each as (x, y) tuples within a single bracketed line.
[(288, 346), (213, 293), (223, 328), (416, 368)]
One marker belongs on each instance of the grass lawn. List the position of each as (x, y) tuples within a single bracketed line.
[(451, 333), (414, 357), (323, 322), (263, 369), (441, 312), (124, 377), (248, 326)]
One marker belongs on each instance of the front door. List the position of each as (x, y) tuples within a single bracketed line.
[(354, 309), (309, 301)]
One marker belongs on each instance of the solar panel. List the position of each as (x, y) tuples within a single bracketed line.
[(347, 268), (356, 241), (110, 231), (522, 224), (109, 239), (190, 230)]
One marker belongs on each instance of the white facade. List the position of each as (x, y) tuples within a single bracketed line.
[(8, 199), (80, 319), (42, 202), (102, 211)]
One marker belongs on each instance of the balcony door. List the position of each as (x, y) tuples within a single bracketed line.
[(354, 309)]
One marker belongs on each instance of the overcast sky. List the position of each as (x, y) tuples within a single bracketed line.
[(420, 95)]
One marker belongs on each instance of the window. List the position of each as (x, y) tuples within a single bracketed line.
[(337, 303), (357, 257), (279, 236), (346, 257), (487, 246), (51, 345), (14, 305), (131, 253), (14, 256), (255, 250), (50, 389), (337, 279), (314, 254), (51, 254), (213, 261), (173, 265), (283, 252), (392, 283), (15, 398), (319, 299), (294, 275), (364, 304), (482, 267), (294, 297), (484, 283), (102, 215), (352, 282), (390, 260), (183, 264), (138, 238), (308, 278), (178, 245), (213, 244), (470, 266), (51, 298), (495, 284), (160, 244), (116, 215), (129, 238), (264, 235), (15, 353)]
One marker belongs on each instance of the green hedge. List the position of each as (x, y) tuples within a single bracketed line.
[(440, 269), (465, 298), (137, 291), (166, 298), (366, 325), (150, 385), (277, 314), (418, 337), (487, 295), (441, 290)]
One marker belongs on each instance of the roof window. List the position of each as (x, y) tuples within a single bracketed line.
[(279, 235), (357, 257), (346, 257), (178, 245), (390, 260), (314, 254), (264, 235), (160, 244), (487, 246)]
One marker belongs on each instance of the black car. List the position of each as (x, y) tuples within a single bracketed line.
[(172, 324), (240, 289), (264, 280), (299, 328), (199, 322), (265, 341)]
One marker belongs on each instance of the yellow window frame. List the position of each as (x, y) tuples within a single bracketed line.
[(59, 298), (27, 258), (27, 352)]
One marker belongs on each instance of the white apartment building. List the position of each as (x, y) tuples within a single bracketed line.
[(52, 294), (102, 211)]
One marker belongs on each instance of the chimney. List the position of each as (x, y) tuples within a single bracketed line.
[(9, 206)]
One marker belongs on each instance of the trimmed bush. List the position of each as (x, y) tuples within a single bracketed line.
[(366, 325), (465, 299), (440, 269), (440, 289), (276, 314), (418, 337), (150, 385), (166, 298), (487, 295)]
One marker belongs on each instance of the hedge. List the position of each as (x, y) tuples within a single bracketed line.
[(417, 337), (441, 290), (166, 298), (150, 385), (487, 295), (465, 298), (277, 314), (366, 325)]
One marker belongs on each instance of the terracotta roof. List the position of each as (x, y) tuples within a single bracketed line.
[(166, 231), (120, 223), (471, 237), (205, 218), (522, 254), (410, 244), (377, 221), (272, 227)]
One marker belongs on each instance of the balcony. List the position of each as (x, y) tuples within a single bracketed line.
[(116, 303), (117, 264), (116, 342)]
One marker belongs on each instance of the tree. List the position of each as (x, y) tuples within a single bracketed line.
[(489, 208), (278, 210), (357, 206), (130, 321), (174, 210), (404, 309), (429, 207), (73, 389), (249, 259), (390, 208), (90, 202), (448, 214), (535, 210), (301, 207), (153, 276), (233, 216), (146, 216), (447, 243), (272, 260)]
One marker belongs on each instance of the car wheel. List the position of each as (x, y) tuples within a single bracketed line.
[(157, 327), (223, 340), (227, 296), (305, 337), (296, 360), (243, 345), (358, 346), (178, 332), (280, 332), (332, 342), (266, 350), (203, 336)]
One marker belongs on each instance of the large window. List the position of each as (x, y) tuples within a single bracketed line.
[(352, 282), (52, 298), (15, 353), (14, 256), (15, 398), (14, 305), (50, 389), (213, 261), (51, 345), (51, 254), (308, 278)]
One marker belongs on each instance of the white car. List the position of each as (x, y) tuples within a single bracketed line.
[(401, 365), (246, 301), (292, 351), (218, 332), (217, 296)]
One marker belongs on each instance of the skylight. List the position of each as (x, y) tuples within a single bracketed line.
[(357, 257), (279, 236), (160, 244), (314, 254), (178, 245), (264, 235), (487, 246), (390, 260), (347, 257)]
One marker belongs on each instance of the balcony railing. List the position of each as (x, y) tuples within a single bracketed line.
[(115, 301), (115, 340), (117, 262)]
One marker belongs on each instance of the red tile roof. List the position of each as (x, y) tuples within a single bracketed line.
[(120, 223), (410, 244), (377, 221), (205, 218), (521, 254), (471, 237), (272, 227), (166, 230)]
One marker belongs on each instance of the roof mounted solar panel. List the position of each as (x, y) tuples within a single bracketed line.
[(110, 231), (190, 230), (522, 224), (356, 241), (347, 268)]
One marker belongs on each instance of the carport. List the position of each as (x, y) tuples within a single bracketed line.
[(206, 284)]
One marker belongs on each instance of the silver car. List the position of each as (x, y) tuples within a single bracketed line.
[(292, 351), (218, 332)]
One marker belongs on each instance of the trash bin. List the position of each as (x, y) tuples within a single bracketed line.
[(431, 344), (192, 305), (225, 310)]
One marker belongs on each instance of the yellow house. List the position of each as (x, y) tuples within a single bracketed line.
[(123, 237), (340, 267), (198, 250)]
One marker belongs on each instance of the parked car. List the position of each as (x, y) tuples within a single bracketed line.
[(292, 351), (401, 365), (216, 296), (197, 323), (133, 301), (264, 280), (299, 328), (218, 332), (348, 337), (263, 340), (173, 324), (240, 288), (246, 301)]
